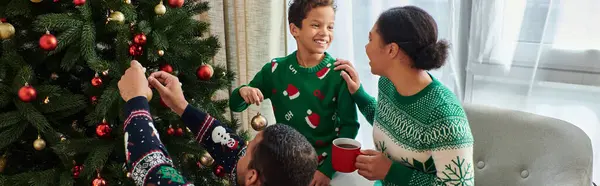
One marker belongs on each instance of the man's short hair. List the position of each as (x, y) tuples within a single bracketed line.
[(283, 157), (300, 8)]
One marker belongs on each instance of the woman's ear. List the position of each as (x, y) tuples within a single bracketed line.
[(393, 50), (252, 177)]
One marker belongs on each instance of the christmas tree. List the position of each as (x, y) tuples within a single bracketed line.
[(60, 109)]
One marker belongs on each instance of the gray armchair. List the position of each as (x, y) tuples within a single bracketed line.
[(518, 148)]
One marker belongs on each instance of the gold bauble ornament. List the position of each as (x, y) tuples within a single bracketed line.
[(116, 16), (258, 122), (127, 1), (206, 160), (161, 52), (39, 144), (160, 9), (36, 1), (2, 163), (7, 31)]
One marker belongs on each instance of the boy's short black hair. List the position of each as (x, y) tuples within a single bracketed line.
[(300, 8), (284, 157)]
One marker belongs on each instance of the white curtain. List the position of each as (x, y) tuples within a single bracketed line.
[(539, 56)]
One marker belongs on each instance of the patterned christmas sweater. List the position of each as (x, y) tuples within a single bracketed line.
[(315, 101), (147, 158), (427, 135)]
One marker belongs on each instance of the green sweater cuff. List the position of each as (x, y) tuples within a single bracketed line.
[(361, 97), (398, 174), (327, 168), (236, 102)]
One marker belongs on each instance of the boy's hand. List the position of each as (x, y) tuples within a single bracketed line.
[(349, 74), (169, 88), (320, 179), (133, 83), (251, 95)]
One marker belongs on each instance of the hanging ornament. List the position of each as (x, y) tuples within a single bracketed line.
[(161, 53), (205, 72), (3, 20), (206, 160), (128, 2), (258, 122), (78, 2), (39, 143), (179, 132), (76, 170), (219, 171), (176, 3), (99, 181), (170, 131), (54, 76), (47, 100), (56, 1), (36, 1), (7, 30), (48, 42), (103, 129), (136, 50), (116, 16), (166, 68), (3, 162), (27, 93), (160, 9), (62, 137), (96, 81), (105, 73), (139, 39), (94, 100)]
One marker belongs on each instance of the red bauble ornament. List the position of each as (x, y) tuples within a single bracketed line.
[(205, 72), (94, 99), (48, 42), (103, 130), (176, 3), (76, 170), (78, 2), (99, 181), (3, 20), (179, 132), (166, 68), (97, 81), (27, 93), (219, 171), (139, 39), (136, 50), (170, 131)]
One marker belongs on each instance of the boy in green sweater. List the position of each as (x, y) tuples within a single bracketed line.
[(306, 93)]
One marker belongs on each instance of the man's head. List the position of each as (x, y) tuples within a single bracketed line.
[(311, 24), (278, 155)]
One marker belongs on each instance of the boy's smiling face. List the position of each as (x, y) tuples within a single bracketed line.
[(316, 33)]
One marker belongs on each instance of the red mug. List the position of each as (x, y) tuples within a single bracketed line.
[(343, 154)]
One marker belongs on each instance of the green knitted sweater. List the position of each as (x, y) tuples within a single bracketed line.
[(315, 101), (427, 135)]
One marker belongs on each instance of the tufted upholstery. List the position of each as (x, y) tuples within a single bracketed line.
[(518, 148)]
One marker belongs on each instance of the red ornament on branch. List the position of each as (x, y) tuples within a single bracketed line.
[(96, 81), (139, 39), (103, 129), (27, 93), (170, 131), (78, 2), (99, 181), (48, 42), (179, 132), (94, 100), (166, 68), (3, 20), (205, 72), (136, 50), (176, 3), (219, 171), (77, 170)]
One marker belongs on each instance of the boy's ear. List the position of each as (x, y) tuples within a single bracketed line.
[(294, 30)]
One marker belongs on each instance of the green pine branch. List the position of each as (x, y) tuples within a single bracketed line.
[(66, 178), (11, 135), (56, 23), (106, 102), (25, 75), (18, 8), (34, 117), (66, 39), (71, 57), (9, 119), (96, 159)]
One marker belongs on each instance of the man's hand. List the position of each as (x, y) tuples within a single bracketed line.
[(251, 95), (373, 165), (133, 83), (169, 88), (320, 179), (349, 74)]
